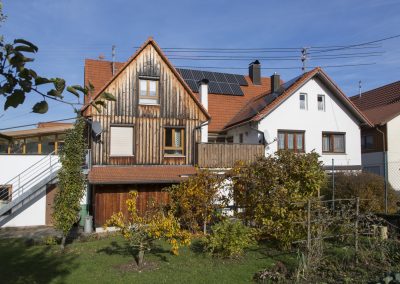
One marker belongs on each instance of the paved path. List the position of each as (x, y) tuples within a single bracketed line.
[(35, 233)]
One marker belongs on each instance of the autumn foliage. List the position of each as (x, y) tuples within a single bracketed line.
[(142, 231)]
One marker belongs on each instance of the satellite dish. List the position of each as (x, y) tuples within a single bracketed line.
[(96, 128)]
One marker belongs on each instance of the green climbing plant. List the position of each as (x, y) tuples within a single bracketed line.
[(71, 180)]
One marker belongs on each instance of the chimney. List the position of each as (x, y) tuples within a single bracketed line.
[(275, 82), (255, 72), (203, 92)]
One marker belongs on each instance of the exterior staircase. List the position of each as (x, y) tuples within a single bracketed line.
[(29, 184)]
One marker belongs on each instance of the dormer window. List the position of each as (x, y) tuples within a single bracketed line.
[(148, 92)]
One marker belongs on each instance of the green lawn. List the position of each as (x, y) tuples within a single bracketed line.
[(98, 261)]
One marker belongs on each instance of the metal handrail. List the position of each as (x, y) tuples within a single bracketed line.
[(33, 173)]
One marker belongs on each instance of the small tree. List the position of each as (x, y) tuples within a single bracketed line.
[(272, 191), (141, 232), (195, 200), (71, 180)]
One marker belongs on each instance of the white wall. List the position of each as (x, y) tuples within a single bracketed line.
[(33, 214), (289, 116), (393, 143)]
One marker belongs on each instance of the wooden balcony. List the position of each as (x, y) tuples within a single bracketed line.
[(222, 155)]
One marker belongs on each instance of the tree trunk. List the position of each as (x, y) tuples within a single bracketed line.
[(205, 227), (63, 242), (140, 256)]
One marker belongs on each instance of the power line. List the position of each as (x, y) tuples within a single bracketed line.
[(273, 68), (33, 124)]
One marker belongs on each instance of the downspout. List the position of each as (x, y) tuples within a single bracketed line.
[(385, 168)]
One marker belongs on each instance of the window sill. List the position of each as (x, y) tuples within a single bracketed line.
[(122, 156), (333, 153), (173, 156), (144, 104)]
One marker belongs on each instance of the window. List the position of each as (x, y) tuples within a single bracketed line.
[(291, 140), (48, 144), (60, 141), (173, 141), (303, 101), (17, 146), (333, 142), (367, 142), (5, 193), (148, 92), (32, 145), (3, 146), (241, 138), (321, 102), (121, 141), (229, 139)]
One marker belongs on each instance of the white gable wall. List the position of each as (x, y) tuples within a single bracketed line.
[(289, 116), (393, 152)]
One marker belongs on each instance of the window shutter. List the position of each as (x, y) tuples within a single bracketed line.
[(121, 143)]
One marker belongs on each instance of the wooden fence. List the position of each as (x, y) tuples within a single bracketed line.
[(222, 155)]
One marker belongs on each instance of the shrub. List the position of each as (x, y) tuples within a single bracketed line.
[(273, 190), (196, 200), (369, 187), (229, 239)]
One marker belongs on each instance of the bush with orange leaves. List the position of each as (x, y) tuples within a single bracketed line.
[(142, 231)]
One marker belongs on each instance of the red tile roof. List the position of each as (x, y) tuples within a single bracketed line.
[(222, 108), (139, 174), (381, 104), (262, 105), (381, 96)]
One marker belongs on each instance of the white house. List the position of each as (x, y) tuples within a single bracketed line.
[(382, 107), (307, 113)]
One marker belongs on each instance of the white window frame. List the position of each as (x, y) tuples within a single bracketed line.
[(148, 99), (120, 145), (305, 101), (323, 102)]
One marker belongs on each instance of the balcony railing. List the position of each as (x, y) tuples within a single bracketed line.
[(222, 155)]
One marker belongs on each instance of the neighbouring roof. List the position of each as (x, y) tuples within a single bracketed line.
[(46, 128), (260, 106), (381, 104), (139, 174)]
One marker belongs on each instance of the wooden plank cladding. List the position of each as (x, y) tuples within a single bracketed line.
[(223, 155), (172, 106), (110, 199)]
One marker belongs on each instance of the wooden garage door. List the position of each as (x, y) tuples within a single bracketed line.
[(110, 199)]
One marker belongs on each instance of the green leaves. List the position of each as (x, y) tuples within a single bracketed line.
[(40, 81), (59, 84), (73, 91), (40, 107), (17, 98), (107, 96), (26, 43)]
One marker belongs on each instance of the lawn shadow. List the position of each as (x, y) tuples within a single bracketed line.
[(24, 263), (198, 247), (116, 248)]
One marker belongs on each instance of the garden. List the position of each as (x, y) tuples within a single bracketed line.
[(275, 221)]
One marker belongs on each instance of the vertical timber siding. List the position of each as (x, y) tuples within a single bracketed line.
[(176, 108)]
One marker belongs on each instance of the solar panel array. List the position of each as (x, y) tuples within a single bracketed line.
[(219, 83)]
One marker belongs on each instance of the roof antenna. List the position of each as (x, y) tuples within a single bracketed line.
[(113, 60), (359, 88)]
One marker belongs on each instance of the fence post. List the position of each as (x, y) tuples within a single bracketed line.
[(308, 225), (333, 185), (356, 224)]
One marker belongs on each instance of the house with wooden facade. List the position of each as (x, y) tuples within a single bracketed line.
[(380, 142), (167, 120)]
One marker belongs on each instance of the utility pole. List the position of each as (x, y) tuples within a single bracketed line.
[(113, 59), (304, 53), (359, 88)]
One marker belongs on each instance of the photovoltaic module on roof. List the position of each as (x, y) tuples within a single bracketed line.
[(219, 83)]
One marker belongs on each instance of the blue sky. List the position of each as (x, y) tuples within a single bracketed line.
[(67, 32)]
